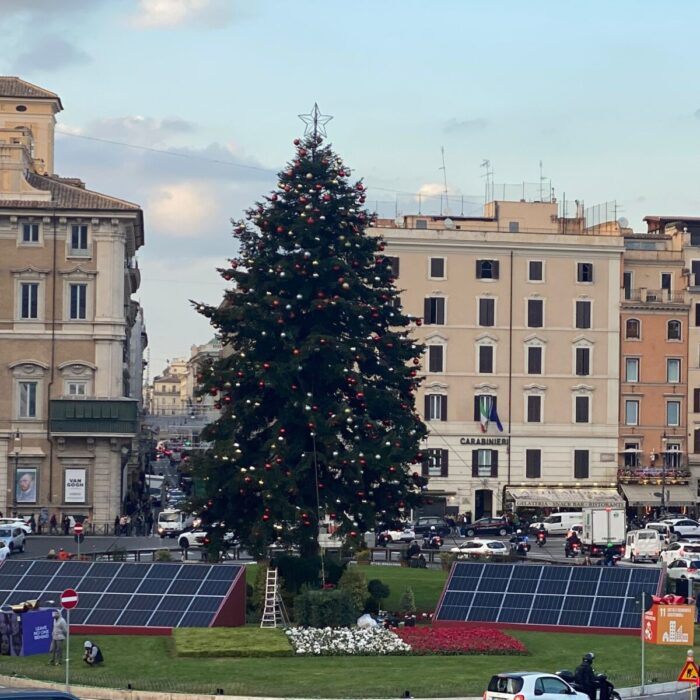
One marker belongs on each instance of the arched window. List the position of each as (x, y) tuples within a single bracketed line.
[(632, 329), (673, 330)]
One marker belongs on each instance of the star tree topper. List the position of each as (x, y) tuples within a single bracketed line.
[(315, 122)]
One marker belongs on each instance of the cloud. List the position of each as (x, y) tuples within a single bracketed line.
[(135, 129), (168, 14), (453, 125), (435, 189), (697, 114), (50, 53), (179, 209)]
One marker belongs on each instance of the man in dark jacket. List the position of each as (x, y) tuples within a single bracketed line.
[(585, 676)]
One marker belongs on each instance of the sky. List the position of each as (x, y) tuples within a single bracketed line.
[(189, 108)]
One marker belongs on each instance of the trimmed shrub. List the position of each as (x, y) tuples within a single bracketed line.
[(331, 608), (378, 589), (163, 555), (354, 582)]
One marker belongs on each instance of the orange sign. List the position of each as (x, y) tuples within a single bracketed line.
[(689, 673), (670, 625)]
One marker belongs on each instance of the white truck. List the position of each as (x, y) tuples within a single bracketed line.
[(172, 522), (603, 526)]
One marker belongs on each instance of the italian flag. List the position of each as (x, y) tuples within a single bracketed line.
[(484, 413)]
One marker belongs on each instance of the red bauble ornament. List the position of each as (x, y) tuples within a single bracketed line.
[(327, 198), (266, 365), (213, 391), (297, 142), (310, 220), (280, 229)]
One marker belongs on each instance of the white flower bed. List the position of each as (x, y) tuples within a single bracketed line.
[(329, 641)]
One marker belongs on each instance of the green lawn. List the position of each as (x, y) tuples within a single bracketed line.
[(226, 641), (149, 663)]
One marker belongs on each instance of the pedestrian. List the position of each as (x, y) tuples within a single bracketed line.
[(149, 524), (116, 525), (123, 525), (66, 525), (58, 636), (53, 525), (63, 555), (93, 654), (32, 523)]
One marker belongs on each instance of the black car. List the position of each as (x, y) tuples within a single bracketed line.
[(488, 526), (423, 524)]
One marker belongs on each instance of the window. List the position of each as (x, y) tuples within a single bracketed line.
[(673, 413), (673, 370), (27, 399), (632, 369), (78, 302), (632, 329), (672, 457), (673, 330), (434, 311), (77, 388), (533, 464), (393, 265), (437, 268), (486, 359), (435, 407), (477, 405), (487, 269), (79, 238), (513, 226), (583, 314), (696, 440), (583, 362), (534, 359), (631, 412), (421, 223), (535, 313), (580, 464), (582, 409), (484, 463), (534, 409), (696, 400), (632, 453), (551, 686), (666, 281), (535, 271), (29, 308), (435, 358), (435, 462), (627, 284), (487, 312), (697, 314), (584, 272), (30, 233)]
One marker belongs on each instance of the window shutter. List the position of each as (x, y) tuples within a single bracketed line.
[(443, 462), (426, 412), (475, 462), (424, 470), (696, 402), (494, 462), (478, 269), (495, 268), (696, 441), (426, 311), (443, 407), (477, 413), (439, 312)]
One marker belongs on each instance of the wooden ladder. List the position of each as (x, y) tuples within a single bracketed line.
[(274, 612)]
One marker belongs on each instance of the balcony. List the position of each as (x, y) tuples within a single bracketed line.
[(93, 416), (676, 474), (654, 296)]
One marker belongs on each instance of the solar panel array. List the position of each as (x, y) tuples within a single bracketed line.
[(578, 596), (123, 593)]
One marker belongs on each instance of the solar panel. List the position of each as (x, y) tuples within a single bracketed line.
[(124, 593), (566, 596)]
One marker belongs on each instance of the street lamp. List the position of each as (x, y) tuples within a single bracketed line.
[(664, 457), (16, 451)]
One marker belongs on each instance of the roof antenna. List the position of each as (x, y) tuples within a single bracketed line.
[(541, 183), (444, 179), (488, 195)]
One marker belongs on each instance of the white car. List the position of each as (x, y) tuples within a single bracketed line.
[(16, 522), (478, 547), (684, 569), (405, 535), (680, 550), (12, 537), (530, 685), (684, 527), (196, 538)]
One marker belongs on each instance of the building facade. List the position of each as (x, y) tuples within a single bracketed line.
[(68, 417), (520, 318)]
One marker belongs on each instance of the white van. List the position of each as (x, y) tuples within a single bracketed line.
[(561, 523), (643, 545), (172, 522)]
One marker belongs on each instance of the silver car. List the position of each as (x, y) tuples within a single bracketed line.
[(530, 685)]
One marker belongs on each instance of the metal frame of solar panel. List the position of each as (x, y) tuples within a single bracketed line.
[(575, 597), (124, 594)]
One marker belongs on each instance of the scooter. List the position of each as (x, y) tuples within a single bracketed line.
[(572, 549), (601, 679), (541, 539), (433, 542)]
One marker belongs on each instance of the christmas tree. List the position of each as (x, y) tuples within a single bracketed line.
[(316, 386)]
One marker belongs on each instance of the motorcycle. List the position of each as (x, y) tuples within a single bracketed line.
[(433, 542), (572, 549), (519, 547), (611, 561), (541, 539), (601, 679)]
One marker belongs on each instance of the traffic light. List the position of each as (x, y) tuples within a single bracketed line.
[(188, 443)]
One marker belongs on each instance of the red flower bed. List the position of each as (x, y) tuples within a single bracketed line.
[(457, 640)]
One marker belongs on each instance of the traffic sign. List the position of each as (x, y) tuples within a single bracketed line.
[(69, 599), (689, 673), (77, 529)]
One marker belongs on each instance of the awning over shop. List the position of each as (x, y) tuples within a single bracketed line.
[(564, 498), (650, 495)]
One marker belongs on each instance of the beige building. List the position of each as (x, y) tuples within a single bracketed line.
[(68, 423), (520, 316)]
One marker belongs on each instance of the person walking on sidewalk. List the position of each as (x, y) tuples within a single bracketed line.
[(58, 637)]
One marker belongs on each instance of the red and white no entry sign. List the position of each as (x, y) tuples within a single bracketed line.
[(78, 529), (69, 598)]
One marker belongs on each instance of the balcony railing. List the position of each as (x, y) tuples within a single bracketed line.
[(94, 416), (655, 296), (677, 474)]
